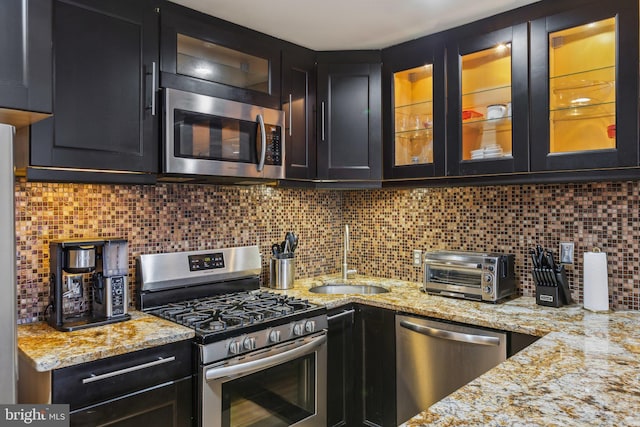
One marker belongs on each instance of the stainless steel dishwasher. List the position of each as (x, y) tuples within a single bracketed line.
[(433, 359)]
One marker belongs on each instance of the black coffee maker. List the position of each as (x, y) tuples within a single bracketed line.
[(106, 263)]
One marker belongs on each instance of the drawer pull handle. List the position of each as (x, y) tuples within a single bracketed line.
[(94, 377)]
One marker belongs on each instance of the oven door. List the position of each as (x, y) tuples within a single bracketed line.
[(461, 280), (284, 385), (217, 137)]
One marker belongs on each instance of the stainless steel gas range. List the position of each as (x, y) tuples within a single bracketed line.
[(261, 356)]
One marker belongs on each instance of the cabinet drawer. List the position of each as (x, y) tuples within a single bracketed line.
[(104, 379), (166, 406)]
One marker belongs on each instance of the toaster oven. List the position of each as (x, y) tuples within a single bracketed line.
[(476, 276)]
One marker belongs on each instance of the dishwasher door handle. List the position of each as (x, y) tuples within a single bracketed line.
[(451, 335)]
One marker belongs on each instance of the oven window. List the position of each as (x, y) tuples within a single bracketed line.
[(202, 136), (472, 279), (278, 396)]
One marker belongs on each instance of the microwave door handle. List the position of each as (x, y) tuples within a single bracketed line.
[(263, 140)]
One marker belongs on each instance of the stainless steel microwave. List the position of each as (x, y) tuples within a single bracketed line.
[(207, 136)]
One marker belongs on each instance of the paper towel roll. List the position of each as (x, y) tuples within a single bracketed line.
[(596, 281)]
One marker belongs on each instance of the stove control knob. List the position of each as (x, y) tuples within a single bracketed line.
[(488, 278), (488, 289), (298, 329), (310, 326), (234, 347), (274, 336), (249, 343)]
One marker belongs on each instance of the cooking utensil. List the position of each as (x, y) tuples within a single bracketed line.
[(292, 239), (275, 249)]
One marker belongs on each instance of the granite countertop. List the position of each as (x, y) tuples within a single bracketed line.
[(585, 370), (46, 349)]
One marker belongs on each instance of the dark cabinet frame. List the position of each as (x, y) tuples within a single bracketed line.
[(627, 152), (361, 367), (341, 371), (26, 77), (342, 79), (178, 19), (402, 57), (299, 85), (136, 152), (517, 35)]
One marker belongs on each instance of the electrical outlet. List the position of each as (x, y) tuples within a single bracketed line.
[(566, 253), (417, 258), (74, 285)]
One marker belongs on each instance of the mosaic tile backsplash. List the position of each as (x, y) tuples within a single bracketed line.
[(386, 225)]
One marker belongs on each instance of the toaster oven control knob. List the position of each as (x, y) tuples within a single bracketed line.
[(249, 343), (274, 336), (310, 326), (234, 347), (487, 289), (488, 278)]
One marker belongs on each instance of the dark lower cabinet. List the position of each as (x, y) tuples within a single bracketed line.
[(106, 115), (361, 367), (169, 405), (152, 387), (341, 372), (375, 367)]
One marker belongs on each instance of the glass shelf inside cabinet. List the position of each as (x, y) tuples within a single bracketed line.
[(486, 104), (582, 87), (413, 116)]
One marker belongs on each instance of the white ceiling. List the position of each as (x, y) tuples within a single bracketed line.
[(351, 24)]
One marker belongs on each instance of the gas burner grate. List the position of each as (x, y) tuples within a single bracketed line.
[(219, 313)]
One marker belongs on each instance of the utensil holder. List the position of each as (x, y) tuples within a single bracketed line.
[(282, 272), (552, 287)]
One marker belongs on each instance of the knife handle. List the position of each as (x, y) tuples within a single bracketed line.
[(534, 259)]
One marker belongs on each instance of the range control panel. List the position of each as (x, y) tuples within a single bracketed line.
[(206, 261)]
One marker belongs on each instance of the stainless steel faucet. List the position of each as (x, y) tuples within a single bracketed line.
[(345, 265)]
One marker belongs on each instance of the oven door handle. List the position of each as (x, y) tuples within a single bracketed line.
[(267, 362)]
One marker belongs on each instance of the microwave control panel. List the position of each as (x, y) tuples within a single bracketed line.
[(274, 145)]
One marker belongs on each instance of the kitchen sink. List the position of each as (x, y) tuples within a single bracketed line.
[(344, 288)]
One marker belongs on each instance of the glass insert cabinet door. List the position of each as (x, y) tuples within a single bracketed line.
[(582, 82), (488, 103), (584, 89), (206, 60), (413, 115), (414, 109)]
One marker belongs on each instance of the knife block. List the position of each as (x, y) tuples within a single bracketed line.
[(554, 292)]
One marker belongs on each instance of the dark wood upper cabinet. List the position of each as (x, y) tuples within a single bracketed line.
[(488, 103), (209, 56), (584, 86), (25, 49), (298, 104), (349, 119), (413, 106), (105, 114)]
